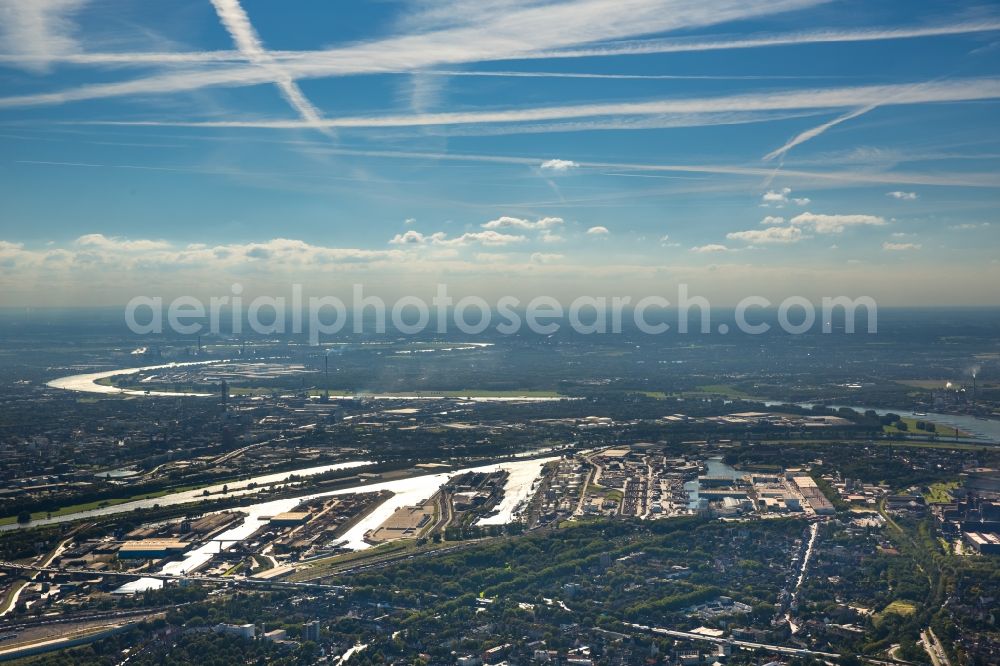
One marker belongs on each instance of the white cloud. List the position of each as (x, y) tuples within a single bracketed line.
[(544, 225), (269, 266), (546, 257), (494, 257), (969, 226), (97, 251), (965, 179), (35, 33), (867, 177), (902, 196), (117, 244), (598, 231), (651, 46), (780, 198), (769, 235), (623, 123), (425, 91), (238, 25), (800, 99), (776, 196), (835, 224), (410, 220), (507, 222), (288, 252), (772, 220), (648, 46), (819, 129), (559, 165), (411, 237), (710, 248), (487, 238), (900, 247), (483, 33)]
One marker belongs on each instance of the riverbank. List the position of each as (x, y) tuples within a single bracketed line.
[(102, 383)]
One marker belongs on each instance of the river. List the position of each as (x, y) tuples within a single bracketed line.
[(87, 383), (234, 488), (713, 467), (405, 492), (984, 429), (988, 429)]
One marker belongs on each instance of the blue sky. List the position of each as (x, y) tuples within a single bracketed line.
[(518, 146)]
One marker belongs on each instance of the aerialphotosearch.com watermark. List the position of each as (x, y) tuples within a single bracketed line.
[(318, 316)]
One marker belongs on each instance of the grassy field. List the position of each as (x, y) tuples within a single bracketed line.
[(911, 424), (100, 504), (12, 591), (461, 393), (927, 384), (235, 569), (914, 443), (478, 393), (330, 565), (938, 492), (900, 607), (608, 493), (721, 389), (62, 511), (931, 384), (354, 556)]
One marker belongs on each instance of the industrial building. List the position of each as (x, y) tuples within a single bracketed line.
[(151, 548)]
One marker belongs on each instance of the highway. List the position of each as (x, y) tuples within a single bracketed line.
[(95, 616), (225, 580), (12, 601), (376, 563), (934, 649), (750, 645), (807, 554)]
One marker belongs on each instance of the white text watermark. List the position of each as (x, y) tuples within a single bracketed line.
[(324, 316)]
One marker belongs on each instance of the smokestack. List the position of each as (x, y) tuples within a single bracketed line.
[(326, 378)]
